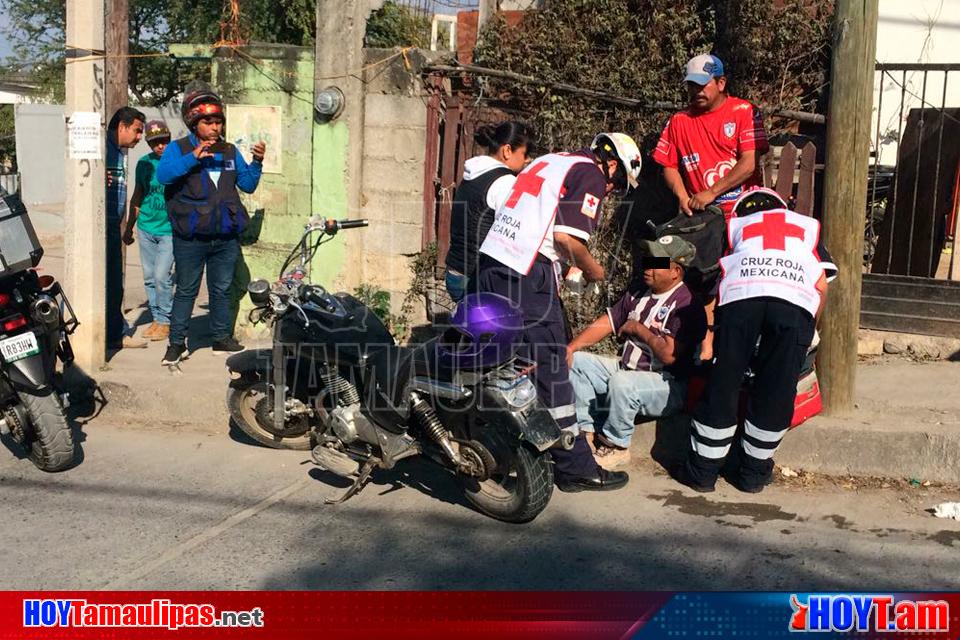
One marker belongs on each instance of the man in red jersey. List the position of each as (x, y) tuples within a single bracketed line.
[(716, 141)]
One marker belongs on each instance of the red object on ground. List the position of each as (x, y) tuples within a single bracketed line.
[(807, 404)]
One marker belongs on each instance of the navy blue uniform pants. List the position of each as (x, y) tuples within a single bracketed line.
[(544, 342), (785, 332)]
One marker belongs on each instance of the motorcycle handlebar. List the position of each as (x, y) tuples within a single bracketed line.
[(351, 224), (331, 226)]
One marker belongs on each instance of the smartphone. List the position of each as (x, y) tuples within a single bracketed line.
[(218, 147)]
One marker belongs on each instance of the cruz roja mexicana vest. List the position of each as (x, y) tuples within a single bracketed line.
[(527, 216), (773, 253)]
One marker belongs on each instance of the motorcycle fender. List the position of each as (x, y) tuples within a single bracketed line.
[(534, 425), (29, 373), (250, 362)]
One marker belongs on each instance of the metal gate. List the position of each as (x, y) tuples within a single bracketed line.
[(911, 262)]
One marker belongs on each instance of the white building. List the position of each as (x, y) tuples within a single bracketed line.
[(914, 32)]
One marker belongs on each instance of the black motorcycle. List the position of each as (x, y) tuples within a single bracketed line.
[(336, 382), (36, 321)]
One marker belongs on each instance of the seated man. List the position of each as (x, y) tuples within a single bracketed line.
[(661, 324)]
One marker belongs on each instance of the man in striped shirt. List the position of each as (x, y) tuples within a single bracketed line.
[(661, 324)]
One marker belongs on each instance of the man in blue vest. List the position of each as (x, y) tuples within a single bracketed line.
[(203, 174)]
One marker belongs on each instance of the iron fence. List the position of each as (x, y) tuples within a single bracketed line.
[(912, 196)]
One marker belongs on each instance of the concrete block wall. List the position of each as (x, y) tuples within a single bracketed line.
[(394, 148)]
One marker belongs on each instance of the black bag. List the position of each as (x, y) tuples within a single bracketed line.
[(707, 231)]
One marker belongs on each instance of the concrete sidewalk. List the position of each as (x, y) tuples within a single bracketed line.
[(906, 425)]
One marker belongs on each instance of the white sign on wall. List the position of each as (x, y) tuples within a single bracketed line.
[(249, 124), (83, 136)]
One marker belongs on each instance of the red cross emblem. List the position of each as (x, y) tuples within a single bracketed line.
[(774, 230), (527, 182), (591, 202)]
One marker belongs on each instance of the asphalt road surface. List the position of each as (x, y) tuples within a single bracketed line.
[(185, 509)]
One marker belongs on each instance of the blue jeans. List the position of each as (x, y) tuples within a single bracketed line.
[(219, 256), (156, 258), (456, 285), (628, 393)]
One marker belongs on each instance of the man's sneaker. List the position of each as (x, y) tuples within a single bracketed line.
[(612, 457), (227, 345), (174, 354)]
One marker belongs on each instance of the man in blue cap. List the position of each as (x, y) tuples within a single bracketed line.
[(709, 152)]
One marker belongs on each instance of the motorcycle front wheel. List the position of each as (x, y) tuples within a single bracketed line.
[(518, 494), (250, 410), (50, 439)]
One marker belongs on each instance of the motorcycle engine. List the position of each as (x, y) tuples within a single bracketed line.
[(350, 425)]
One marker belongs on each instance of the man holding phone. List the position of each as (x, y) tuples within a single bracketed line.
[(661, 324), (202, 174)]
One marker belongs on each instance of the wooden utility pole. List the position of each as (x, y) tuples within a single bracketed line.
[(84, 230), (117, 28), (845, 193)]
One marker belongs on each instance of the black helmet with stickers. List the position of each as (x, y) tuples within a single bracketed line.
[(200, 101)]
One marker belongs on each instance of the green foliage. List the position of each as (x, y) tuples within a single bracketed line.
[(776, 54), (8, 146), (379, 302), (394, 25), (37, 27)]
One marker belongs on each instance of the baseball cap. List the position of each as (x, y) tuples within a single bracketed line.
[(673, 247), (703, 67), (156, 130)]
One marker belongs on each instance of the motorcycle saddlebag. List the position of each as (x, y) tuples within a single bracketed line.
[(19, 248)]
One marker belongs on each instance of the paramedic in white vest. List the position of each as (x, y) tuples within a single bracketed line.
[(547, 220), (773, 288)]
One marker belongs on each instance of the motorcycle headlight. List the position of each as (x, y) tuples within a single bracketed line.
[(520, 393), (259, 291)]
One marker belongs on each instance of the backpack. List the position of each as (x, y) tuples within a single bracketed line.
[(707, 231)]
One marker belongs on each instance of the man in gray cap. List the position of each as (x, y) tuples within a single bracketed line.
[(661, 324)]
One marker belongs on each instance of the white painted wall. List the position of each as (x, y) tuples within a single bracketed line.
[(11, 97), (914, 31)]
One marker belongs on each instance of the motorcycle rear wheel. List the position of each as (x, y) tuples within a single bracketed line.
[(242, 402), (50, 439), (519, 494)]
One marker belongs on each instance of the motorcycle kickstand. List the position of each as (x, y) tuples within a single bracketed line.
[(358, 484)]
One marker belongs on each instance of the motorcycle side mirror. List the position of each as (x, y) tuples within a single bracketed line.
[(259, 291)]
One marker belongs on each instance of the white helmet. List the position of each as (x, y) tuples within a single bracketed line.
[(621, 147)]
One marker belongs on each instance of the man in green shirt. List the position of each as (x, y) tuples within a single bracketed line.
[(149, 214)]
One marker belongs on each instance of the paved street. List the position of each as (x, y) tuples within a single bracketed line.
[(160, 508)]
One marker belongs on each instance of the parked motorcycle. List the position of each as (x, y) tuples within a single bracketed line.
[(36, 321), (336, 382)]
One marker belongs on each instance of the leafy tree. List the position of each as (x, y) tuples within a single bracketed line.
[(394, 25), (37, 29)]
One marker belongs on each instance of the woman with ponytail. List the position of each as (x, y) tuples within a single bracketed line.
[(486, 185)]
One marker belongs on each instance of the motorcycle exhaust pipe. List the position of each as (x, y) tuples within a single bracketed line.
[(45, 311)]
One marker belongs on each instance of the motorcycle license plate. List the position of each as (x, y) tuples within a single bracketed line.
[(19, 347)]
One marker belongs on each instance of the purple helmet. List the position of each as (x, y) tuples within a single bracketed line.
[(485, 331)]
